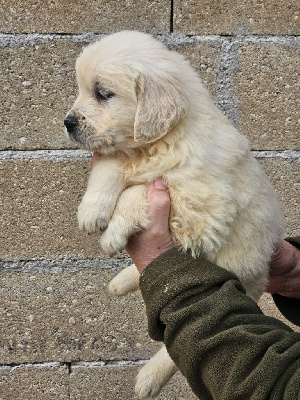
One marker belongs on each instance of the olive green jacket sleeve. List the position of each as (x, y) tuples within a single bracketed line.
[(217, 336)]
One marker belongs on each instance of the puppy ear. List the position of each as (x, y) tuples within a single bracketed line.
[(160, 107)]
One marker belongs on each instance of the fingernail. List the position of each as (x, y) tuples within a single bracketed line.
[(159, 184)]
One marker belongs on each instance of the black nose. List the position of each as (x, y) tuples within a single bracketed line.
[(71, 122)]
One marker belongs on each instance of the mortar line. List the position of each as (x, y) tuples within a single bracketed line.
[(172, 16), (228, 64), (57, 266), (283, 154), (71, 364), (44, 154), (41, 364), (71, 154), (68, 366), (109, 363), (32, 38)]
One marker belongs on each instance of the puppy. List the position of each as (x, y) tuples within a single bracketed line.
[(146, 111)]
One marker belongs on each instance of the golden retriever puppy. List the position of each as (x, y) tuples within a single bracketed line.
[(146, 111)]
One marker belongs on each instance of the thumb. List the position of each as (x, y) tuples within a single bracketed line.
[(159, 203)]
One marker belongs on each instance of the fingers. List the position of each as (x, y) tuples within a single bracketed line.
[(150, 243), (285, 271), (282, 259), (159, 205)]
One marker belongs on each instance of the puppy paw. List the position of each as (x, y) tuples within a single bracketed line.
[(111, 244), (147, 386), (154, 375), (125, 282), (149, 383), (92, 217)]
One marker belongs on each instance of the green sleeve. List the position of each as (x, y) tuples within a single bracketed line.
[(217, 336)]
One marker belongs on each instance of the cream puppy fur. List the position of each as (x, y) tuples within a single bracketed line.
[(146, 111)]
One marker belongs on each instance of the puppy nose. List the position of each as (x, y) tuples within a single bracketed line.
[(70, 122)]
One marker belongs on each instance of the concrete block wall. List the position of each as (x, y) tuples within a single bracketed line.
[(61, 335)]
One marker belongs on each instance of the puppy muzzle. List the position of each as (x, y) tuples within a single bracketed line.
[(71, 123)]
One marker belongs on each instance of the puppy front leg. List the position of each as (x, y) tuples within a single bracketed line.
[(98, 203), (125, 282), (155, 374), (129, 217)]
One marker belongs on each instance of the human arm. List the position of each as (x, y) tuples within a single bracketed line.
[(217, 336)]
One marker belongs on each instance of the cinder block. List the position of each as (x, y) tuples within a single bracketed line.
[(39, 382), (69, 316), (39, 207), (117, 382), (284, 176), (243, 17), (267, 87), (204, 56), (40, 199), (88, 16), (39, 87)]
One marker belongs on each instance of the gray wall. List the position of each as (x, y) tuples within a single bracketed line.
[(61, 335)]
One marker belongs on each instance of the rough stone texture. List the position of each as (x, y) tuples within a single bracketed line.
[(267, 306), (40, 199), (204, 56), (69, 316), (284, 176), (267, 85), (38, 382), (88, 16), (39, 86), (39, 208), (117, 382), (268, 17)]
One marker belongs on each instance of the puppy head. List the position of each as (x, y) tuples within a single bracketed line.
[(129, 94)]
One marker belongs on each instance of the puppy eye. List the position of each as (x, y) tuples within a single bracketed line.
[(103, 95)]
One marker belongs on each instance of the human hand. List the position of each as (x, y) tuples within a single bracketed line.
[(150, 243), (285, 271)]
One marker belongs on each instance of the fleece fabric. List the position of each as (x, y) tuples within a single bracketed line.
[(217, 336)]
